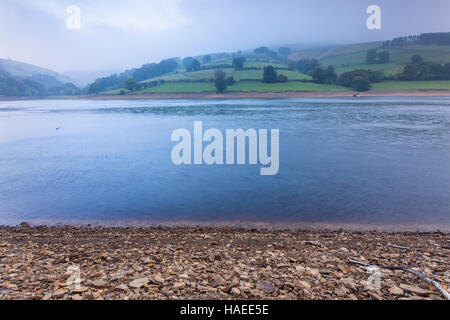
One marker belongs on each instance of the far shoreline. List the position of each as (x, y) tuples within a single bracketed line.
[(245, 95)]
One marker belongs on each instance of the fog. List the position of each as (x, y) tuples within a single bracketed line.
[(115, 35)]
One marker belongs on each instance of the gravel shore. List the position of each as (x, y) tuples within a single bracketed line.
[(217, 263)]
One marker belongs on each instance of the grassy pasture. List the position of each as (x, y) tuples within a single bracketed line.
[(412, 85), (258, 75)]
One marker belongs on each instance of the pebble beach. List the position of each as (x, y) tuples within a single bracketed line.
[(218, 263)]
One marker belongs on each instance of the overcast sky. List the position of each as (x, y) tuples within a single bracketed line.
[(118, 34)]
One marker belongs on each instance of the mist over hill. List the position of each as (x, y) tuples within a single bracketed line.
[(18, 79)]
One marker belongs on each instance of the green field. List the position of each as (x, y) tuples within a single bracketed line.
[(246, 86), (344, 58), (242, 86), (350, 57), (258, 75), (412, 85)]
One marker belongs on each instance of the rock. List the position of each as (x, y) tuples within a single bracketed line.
[(325, 271), (396, 291), (179, 285), (314, 243), (122, 287), (313, 272), (99, 284), (218, 281), (48, 296), (256, 293), (266, 287), (11, 286), (139, 283), (344, 269), (34, 264), (80, 290), (304, 285), (119, 275), (59, 293), (160, 279), (300, 269), (417, 290), (235, 292), (340, 292)]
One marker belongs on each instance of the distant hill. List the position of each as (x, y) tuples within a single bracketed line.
[(85, 77), (26, 70), (350, 57), (392, 57), (18, 79)]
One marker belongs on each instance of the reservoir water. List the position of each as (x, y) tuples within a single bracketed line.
[(358, 161)]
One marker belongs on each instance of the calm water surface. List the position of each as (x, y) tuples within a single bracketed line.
[(383, 161)]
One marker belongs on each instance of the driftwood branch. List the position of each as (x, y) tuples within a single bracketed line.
[(398, 247), (422, 276)]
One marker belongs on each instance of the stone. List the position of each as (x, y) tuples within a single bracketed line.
[(179, 285), (80, 290), (139, 283), (218, 281), (396, 291), (235, 292), (417, 290), (304, 285), (266, 287), (99, 284), (59, 293), (122, 287)]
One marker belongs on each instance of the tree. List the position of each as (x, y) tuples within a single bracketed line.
[(272, 54), (207, 59), (193, 66), (187, 61), (330, 75), (383, 57), (447, 71), (307, 65), (416, 59), (371, 57), (346, 79), (410, 73), (220, 81), (131, 85), (269, 75), (318, 75), (282, 78), (230, 81), (261, 50), (361, 84), (375, 76), (239, 62)]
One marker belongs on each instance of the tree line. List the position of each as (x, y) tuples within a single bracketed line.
[(147, 71), (431, 38), (419, 69), (36, 86)]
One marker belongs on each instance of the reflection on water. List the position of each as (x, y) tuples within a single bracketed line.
[(383, 160)]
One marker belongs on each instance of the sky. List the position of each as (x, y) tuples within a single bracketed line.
[(117, 34)]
